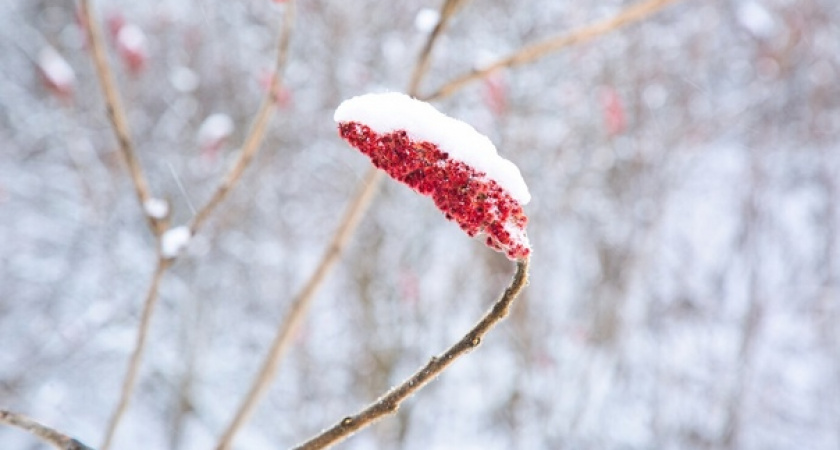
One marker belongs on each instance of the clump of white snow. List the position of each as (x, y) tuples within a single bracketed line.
[(183, 79), (56, 69), (132, 38), (426, 20), (174, 240), (392, 111), (755, 18), (156, 208), (214, 129)]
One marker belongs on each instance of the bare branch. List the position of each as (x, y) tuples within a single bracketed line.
[(533, 52), (116, 112), (58, 440), (137, 355), (299, 306), (255, 137), (448, 10), (390, 402)]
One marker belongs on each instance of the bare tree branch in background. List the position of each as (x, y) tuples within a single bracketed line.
[(46, 434), (448, 10), (116, 113), (533, 52), (257, 134), (390, 402)]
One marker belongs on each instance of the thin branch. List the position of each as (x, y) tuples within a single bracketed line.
[(533, 52), (137, 355), (255, 137), (116, 112), (297, 311), (300, 304), (390, 402), (447, 11), (58, 440)]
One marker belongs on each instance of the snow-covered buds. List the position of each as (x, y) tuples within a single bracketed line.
[(56, 73), (445, 159)]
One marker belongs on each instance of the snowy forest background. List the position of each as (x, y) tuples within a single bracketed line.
[(684, 282)]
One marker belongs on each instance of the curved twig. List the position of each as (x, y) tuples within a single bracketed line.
[(390, 402), (58, 440), (255, 137), (533, 52), (447, 11)]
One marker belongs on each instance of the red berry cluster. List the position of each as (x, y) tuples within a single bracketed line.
[(464, 194)]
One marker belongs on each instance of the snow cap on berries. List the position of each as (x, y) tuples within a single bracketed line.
[(445, 159)]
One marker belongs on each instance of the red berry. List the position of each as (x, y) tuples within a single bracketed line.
[(465, 195)]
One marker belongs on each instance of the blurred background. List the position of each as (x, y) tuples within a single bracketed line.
[(684, 173)]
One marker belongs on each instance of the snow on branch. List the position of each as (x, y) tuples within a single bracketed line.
[(445, 159)]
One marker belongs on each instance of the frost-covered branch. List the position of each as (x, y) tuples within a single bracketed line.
[(533, 52), (56, 439), (116, 114), (391, 401)]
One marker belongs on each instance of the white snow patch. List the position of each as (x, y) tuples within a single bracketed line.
[(755, 18), (392, 111), (426, 20), (132, 38), (183, 79), (214, 128), (156, 208), (56, 68), (174, 240)]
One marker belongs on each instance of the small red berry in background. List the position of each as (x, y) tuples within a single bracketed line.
[(614, 117), (132, 48), (282, 96), (495, 94), (212, 135)]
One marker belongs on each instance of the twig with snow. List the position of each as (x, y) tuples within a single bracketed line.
[(116, 112), (391, 401), (58, 440), (459, 168), (533, 52), (152, 207), (171, 241)]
